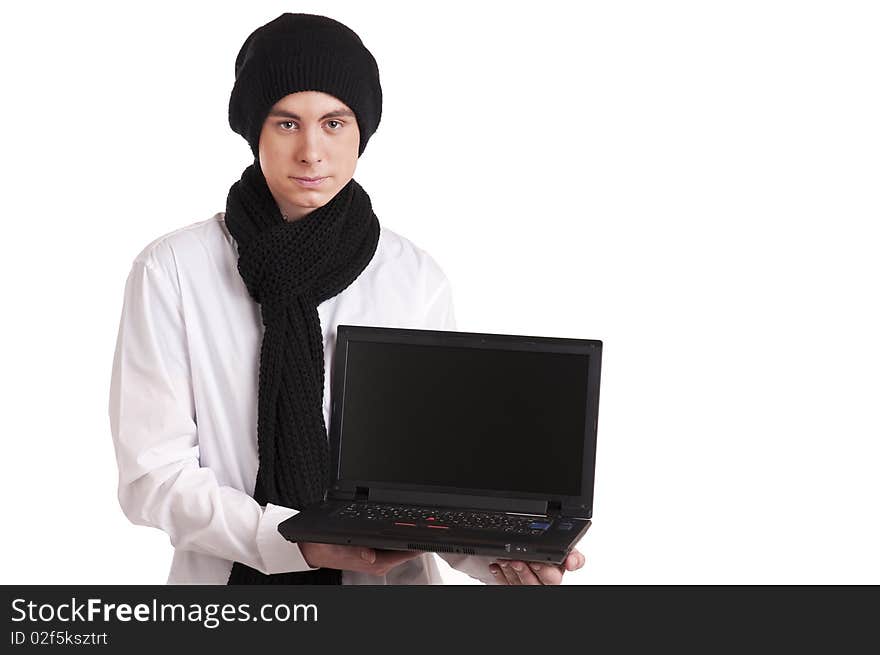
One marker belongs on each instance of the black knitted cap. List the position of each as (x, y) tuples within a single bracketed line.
[(303, 52)]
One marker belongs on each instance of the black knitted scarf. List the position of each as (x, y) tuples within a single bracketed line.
[(289, 268)]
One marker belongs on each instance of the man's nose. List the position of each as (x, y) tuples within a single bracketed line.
[(310, 145)]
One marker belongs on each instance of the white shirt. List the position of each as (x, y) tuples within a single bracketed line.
[(183, 397)]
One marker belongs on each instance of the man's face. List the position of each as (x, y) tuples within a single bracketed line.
[(308, 134)]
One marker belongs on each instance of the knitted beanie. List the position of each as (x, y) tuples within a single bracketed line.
[(303, 52)]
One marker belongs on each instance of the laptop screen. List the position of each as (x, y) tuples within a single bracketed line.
[(476, 418)]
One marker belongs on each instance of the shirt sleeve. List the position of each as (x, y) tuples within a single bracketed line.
[(153, 424)]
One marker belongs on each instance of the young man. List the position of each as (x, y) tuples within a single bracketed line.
[(219, 400)]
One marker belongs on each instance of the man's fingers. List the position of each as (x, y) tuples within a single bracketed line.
[(495, 570), (548, 574), (574, 561), (525, 573), (379, 556), (375, 561), (509, 574), (388, 559)]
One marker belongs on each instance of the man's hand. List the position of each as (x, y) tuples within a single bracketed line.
[(354, 558), (517, 572)]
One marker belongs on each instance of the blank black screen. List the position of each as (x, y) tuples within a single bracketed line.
[(464, 417)]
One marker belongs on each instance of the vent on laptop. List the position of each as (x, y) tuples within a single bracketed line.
[(440, 548)]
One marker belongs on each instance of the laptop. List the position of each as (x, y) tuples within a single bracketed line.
[(458, 442)]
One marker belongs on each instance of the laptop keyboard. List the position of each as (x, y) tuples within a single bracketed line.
[(407, 515)]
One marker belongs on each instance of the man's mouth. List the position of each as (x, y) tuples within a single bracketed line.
[(309, 181)]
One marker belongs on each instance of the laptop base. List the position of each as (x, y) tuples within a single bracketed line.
[(317, 524)]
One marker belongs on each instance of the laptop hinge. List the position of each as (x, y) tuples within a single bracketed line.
[(361, 493), (554, 507)]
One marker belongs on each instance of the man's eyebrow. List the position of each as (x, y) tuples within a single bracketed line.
[(283, 113)]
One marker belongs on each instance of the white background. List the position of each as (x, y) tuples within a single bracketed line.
[(694, 183)]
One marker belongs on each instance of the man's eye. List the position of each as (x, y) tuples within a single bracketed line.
[(337, 122), (283, 123)]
